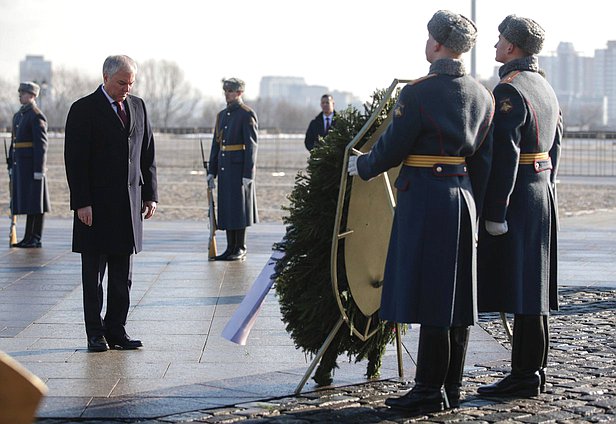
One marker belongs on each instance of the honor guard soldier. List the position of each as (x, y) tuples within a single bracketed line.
[(27, 159), (517, 238), (233, 159), (441, 134)]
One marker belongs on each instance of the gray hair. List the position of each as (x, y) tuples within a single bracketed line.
[(117, 63)]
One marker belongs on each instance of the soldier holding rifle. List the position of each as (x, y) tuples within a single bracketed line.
[(233, 159), (441, 133), (26, 162)]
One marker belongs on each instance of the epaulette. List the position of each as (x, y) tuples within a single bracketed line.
[(418, 80), (509, 77), (246, 108)]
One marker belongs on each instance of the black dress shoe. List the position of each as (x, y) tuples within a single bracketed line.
[(520, 386), (222, 257), (123, 343), (420, 400), (97, 344), (19, 244), (238, 254), (30, 244)]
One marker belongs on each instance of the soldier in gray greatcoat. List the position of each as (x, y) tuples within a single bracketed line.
[(441, 133), (27, 159), (233, 158), (517, 238)]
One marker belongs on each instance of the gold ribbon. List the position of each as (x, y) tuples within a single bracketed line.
[(428, 161), (530, 158)]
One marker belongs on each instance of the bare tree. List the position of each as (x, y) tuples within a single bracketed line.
[(9, 102), (68, 86), (170, 99)]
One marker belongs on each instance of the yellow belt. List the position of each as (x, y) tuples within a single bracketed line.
[(22, 144), (530, 158), (233, 148), (428, 161)]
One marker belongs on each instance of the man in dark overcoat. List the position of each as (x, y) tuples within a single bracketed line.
[(320, 125), (441, 133), (111, 172), (233, 159), (517, 238), (27, 159)]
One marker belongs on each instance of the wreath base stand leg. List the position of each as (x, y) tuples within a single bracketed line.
[(319, 355)]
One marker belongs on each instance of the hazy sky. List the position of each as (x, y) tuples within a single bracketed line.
[(350, 45)]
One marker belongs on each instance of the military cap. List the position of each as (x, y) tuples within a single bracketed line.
[(523, 32), (234, 84), (453, 31), (29, 87)]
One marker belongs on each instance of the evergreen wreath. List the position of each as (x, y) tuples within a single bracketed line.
[(302, 276)]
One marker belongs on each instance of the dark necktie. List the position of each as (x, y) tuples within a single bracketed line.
[(121, 112), (326, 125)]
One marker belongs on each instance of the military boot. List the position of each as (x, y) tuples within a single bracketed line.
[(526, 358), (230, 245), (458, 341), (432, 363)]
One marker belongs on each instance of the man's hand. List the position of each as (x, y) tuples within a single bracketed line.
[(352, 168), (149, 207), (246, 182), (210, 182), (496, 228), (85, 215)]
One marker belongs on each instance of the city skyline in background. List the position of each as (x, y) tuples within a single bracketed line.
[(585, 85), (348, 46)]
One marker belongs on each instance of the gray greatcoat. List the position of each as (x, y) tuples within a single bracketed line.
[(233, 156), (28, 154), (430, 269), (112, 169), (517, 270)]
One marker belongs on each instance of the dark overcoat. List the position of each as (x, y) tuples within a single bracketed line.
[(316, 129), (430, 271), (517, 270), (233, 156), (28, 154), (112, 169)]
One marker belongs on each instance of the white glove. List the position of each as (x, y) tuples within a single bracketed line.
[(352, 168), (246, 182), (38, 175), (496, 228), (210, 182)]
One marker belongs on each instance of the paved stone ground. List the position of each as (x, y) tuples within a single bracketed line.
[(581, 382)]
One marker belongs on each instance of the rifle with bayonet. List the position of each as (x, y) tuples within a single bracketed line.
[(211, 249), (13, 225)]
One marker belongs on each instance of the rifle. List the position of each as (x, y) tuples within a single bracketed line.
[(13, 226), (211, 212)]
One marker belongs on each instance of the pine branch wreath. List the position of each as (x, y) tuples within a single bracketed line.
[(302, 276)]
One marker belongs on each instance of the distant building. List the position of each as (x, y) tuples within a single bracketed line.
[(295, 91), (585, 86), (36, 68)]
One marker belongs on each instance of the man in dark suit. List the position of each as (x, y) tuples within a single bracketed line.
[(320, 125), (27, 159), (111, 172)]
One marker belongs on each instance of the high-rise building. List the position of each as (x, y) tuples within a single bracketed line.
[(35, 68), (582, 85), (294, 90)]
